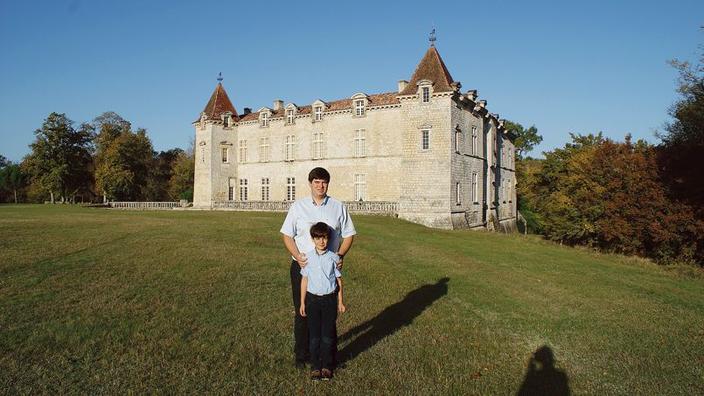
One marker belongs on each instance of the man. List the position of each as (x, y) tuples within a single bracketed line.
[(296, 235)]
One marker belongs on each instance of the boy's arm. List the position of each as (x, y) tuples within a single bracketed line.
[(340, 304), (304, 289)]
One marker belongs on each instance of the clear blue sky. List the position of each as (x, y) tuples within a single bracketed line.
[(565, 66)]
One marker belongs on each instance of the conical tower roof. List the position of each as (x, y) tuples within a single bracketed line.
[(432, 68), (219, 103)]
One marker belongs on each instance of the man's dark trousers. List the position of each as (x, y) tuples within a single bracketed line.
[(300, 324), (321, 314)]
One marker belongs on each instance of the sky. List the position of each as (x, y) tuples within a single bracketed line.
[(563, 66)]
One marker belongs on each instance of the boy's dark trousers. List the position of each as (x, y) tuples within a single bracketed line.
[(321, 312), (301, 347)]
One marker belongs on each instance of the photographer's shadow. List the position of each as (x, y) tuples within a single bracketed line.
[(391, 319), (542, 378)]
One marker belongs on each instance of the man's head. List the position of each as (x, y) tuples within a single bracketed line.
[(320, 232), (319, 178)]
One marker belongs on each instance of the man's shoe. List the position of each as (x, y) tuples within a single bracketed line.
[(315, 375), (326, 374)]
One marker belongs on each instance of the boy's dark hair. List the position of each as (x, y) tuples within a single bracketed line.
[(320, 230), (320, 174)]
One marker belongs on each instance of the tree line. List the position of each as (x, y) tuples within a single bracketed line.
[(93, 162), (627, 197)]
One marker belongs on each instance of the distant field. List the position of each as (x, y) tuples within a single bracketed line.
[(101, 301)]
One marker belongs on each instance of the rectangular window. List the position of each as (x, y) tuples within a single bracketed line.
[(243, 151), (289, 148), (360, 187), (318, 146), (290, 188), (224, 154), (425, 94), (318, 113), (230, 193), (458, 140), (244, 189), (289, 116), (475, 188), (264, 155), (360, 143), (359, 107), (265, 189), (474, 140), (425, 139), (458, 193), (265, 120)]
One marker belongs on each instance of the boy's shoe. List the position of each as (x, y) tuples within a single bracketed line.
[(315, 375), (326, 374)]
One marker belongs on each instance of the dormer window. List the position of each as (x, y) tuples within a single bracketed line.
[(264, 119), (425, 94), (318, 113), (226, 121), (359, 107), (290, 116)]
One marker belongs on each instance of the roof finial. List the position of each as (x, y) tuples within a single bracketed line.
[(432, 38), (220, 77)]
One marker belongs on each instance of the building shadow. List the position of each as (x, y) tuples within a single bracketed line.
[(390, 320), (542, 378)]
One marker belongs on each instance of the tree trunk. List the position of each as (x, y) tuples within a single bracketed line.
[(52, 197), (15, 190)]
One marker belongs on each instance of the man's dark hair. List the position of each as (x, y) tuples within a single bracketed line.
[(320, 230), (320, 174)]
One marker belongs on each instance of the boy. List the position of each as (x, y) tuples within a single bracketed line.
[(320, 279)]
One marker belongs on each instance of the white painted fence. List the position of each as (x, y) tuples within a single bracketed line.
[(385, 208), (145, 205)]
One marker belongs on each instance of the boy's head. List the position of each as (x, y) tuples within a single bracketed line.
[(320, 232)]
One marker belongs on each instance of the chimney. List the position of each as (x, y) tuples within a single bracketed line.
[(278, 104), (402, 85), (247, 110)]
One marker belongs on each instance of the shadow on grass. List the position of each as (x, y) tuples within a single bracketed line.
[(391, 319), (542, 378)]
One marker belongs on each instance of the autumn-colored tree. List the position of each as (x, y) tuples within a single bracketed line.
[(123, 168)]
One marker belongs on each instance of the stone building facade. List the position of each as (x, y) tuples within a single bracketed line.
[(435, 155)]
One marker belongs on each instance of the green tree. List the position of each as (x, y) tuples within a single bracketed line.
[(61, 157), (181, 182), (526, 139), (3, 161), (158, 186), (12, 179), (682, 150)]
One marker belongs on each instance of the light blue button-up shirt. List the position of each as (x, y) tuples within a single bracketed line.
[(321, 271), (304, 213)]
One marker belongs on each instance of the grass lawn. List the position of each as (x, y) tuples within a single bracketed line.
[(104, 301)]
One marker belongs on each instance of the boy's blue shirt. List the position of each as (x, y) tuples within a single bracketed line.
[(322, 272)]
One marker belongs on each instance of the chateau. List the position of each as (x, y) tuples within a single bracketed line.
[(426, 152)]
